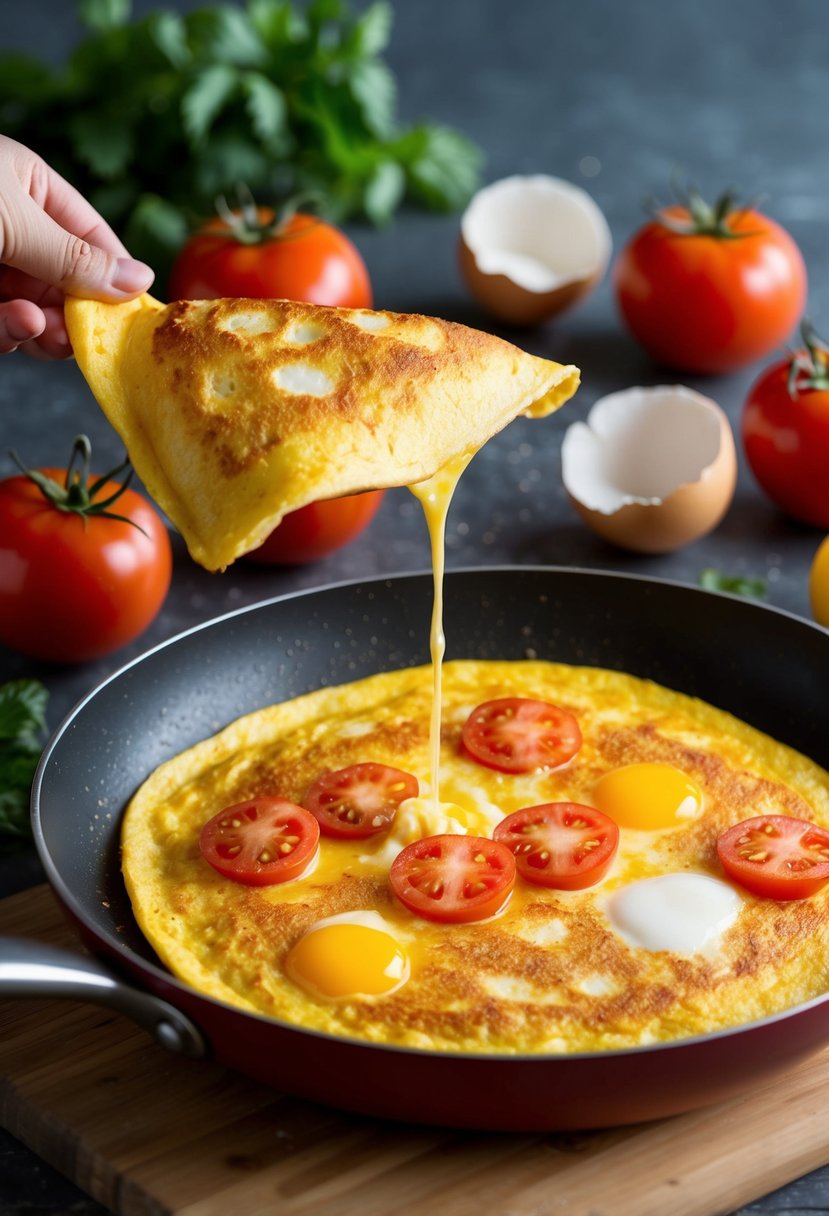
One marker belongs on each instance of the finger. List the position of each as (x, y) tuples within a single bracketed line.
[(53, 342), (15, 285), (32, 351), (43, 249), (68, 208), (20, 321)]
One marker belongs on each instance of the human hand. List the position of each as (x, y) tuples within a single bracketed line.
[(52, 243)]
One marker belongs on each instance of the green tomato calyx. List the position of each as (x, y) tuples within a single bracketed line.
[(77, 496), (809, 368), (246, 224), (704, 218)]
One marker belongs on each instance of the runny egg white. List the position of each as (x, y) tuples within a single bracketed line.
[(684, 913)]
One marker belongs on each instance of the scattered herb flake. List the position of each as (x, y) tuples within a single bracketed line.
[(736, 584), (22, 726)]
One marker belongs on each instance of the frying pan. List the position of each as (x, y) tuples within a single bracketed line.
[(764, 665)]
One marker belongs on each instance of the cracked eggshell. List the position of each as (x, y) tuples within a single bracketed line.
[(651, 469), (530, 247)]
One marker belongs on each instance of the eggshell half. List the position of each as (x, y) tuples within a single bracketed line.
[(651, 469), (530, 247)]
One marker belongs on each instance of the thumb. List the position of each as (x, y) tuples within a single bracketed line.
[(40, 247)]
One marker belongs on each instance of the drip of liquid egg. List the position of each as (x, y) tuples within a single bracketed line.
[(352, 955), (434, 495), (648, 796)]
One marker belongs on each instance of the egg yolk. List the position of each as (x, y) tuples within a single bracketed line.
[(648, 796), (344, 960)]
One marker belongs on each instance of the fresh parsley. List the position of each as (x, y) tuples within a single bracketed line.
[(22, 724), (715, 580), (152, 119)]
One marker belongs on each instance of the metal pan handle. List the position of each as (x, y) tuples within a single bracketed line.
[(30, 968)]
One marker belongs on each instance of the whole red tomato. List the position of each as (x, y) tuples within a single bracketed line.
[(79, 580), (785, 431), (315, 531), (253, 254), (710, 289)]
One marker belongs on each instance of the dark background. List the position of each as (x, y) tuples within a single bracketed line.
[(616, 98)]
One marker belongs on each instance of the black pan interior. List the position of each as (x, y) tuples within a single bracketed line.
[(765, 666)]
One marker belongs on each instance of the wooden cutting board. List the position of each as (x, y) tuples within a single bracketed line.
[(147, 1133)]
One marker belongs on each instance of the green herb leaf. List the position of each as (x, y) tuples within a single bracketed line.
[(372, 31), (276, 23), (156, 229), (15, 826), (205, 98), (443, 167), (23, 79), (115, 198), (18, 761), (715, 580), (280, 95), (325, 27), (22, 723), (324, 12), (104, 14), (384, 191), (375, 91), (102, 140), (266, 106), (22, 709), (235, 159), (226, 35), (169, 33)]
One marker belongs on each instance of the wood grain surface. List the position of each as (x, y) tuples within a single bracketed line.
[(148, 1133)]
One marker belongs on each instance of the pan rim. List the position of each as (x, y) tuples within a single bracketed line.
[(72, 904)]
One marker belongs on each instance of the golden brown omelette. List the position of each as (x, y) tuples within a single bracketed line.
[(235, 412), (663, 946)]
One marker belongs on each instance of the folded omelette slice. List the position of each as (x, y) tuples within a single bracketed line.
[(235, 412)]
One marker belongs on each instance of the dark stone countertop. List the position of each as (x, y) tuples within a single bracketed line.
[(614, 98)]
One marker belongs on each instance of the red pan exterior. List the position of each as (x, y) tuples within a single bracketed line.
[(530, 1093), (517, 1093)]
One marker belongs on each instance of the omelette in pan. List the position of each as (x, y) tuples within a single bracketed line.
[(649, 941)]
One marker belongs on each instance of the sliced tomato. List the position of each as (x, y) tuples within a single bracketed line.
[(519, 735), (453, 878), (777, 856), (261, 842), (560, 844), (360, 800)]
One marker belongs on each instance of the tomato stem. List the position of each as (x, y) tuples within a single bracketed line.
[(246, 224), (76, 496), (704, 218), (809, 368)]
